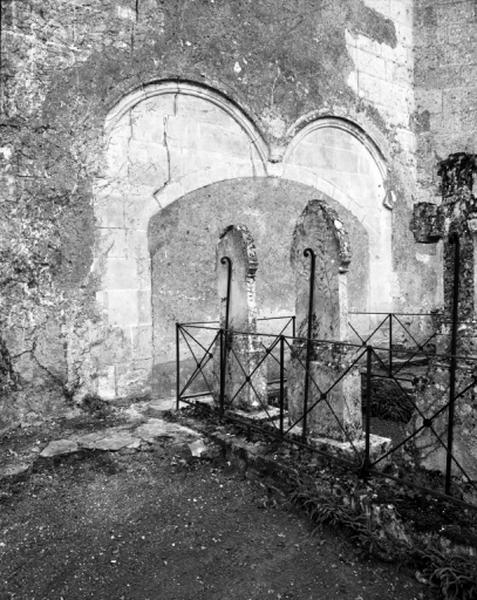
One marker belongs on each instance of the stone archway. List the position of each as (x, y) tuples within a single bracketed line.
[(182, 239), (167, 140)]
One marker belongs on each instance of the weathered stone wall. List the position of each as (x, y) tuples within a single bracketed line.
[(93, 147), (445, 120), (446, 69), (269, 207)]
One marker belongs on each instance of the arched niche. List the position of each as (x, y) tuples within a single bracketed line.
[(163, 142), (182, 240), (338, 158)]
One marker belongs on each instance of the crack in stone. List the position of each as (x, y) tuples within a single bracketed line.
[(165, 142)]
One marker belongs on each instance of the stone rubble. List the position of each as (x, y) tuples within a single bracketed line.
[(139, 432)]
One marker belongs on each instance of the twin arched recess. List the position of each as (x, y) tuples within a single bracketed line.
[(169, 139)]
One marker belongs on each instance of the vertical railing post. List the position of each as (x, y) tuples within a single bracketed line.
[(222, 352), (282, 381), (178, 366), (454, 239), (224, 335), (308, 252), (390, 317), (367, 422), (294, 326), (225, 260)]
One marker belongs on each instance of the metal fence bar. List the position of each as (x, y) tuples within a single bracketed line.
[(367, 463), (268, 351), (282, 381), (200, 364), (390, 344), (367, 429), (178, 365), (225, 260), (453, 363), (403, 314), (308, 252), (222, 371)]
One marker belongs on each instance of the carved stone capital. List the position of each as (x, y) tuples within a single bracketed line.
[(457, 173), (427, 223)]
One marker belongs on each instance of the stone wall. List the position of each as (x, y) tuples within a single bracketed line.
[(446, 69), (114, 110), (445, 119)]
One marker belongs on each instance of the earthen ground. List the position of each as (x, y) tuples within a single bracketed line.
[(159, 524)]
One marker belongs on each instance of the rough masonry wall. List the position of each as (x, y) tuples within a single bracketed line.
[(269, 207), (66, 64), (446, 85), (445, 120)]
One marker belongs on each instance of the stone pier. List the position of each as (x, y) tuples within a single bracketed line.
[(245, 385), (456, 217), (320, 229)]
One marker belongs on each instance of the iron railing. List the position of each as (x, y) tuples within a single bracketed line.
[(218, 358), (360, 454), (393, 334)]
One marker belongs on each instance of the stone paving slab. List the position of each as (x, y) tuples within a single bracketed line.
[(58, 448), (157, 428), (141, 430)]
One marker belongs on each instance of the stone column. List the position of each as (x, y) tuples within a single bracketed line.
[(245, 385), (320, 229), (456, 217)]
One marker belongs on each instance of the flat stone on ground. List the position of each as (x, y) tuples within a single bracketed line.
[(110, 439), (115, 442), (59, 447), (15, 469), (157, 428)]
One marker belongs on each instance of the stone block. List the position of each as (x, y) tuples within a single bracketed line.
[(427, 223), (159, 105), (59, 448), (134, 378), (139, 207), (122, 307), (150, 167), (182, 132), (119, 273), (111, 242), (144, 306), (228, 141), (338, 414), (148, 126), (455, 12), (400, 11), (427, 447), (117, 157), (109, 212), (141, 337), (407, 139), (370, 63), (137, 243), (106, 383), (203, 111)]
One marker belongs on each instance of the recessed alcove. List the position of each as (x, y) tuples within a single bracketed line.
[(182, 241)]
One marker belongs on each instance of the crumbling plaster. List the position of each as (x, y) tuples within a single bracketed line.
[(166, 140), (68, 65)]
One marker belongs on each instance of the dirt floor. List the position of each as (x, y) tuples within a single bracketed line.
[(159, 525)]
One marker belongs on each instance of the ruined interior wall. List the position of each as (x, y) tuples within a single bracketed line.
[(66, 64), (445, 120), (446, 85)]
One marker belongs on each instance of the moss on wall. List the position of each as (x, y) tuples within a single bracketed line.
[(65, 65)]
